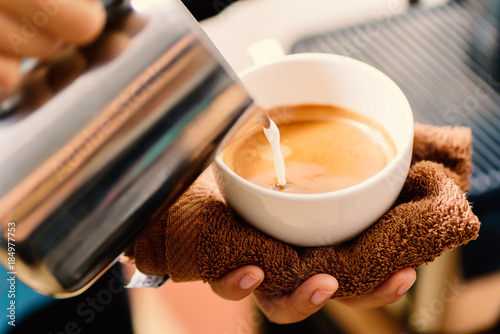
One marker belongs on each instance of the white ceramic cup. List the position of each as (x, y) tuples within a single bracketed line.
[(329, 218)]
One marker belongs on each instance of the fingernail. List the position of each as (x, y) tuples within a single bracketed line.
[(248, 281), (403, 288), (320, 296)]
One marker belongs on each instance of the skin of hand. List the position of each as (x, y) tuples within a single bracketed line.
[(310, 296), (37, 28)]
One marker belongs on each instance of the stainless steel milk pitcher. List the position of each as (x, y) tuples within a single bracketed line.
[(97, 139)]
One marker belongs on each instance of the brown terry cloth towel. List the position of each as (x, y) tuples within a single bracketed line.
[(200, 238)]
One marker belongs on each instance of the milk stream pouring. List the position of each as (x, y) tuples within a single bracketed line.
[(272, 134)]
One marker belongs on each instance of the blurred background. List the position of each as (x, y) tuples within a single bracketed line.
[(445, 56)]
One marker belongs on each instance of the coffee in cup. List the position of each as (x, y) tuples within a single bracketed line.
[(325, 148)]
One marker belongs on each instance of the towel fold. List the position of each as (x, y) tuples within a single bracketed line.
[(201, 238)]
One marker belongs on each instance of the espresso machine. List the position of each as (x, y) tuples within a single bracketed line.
[(95, 140)]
